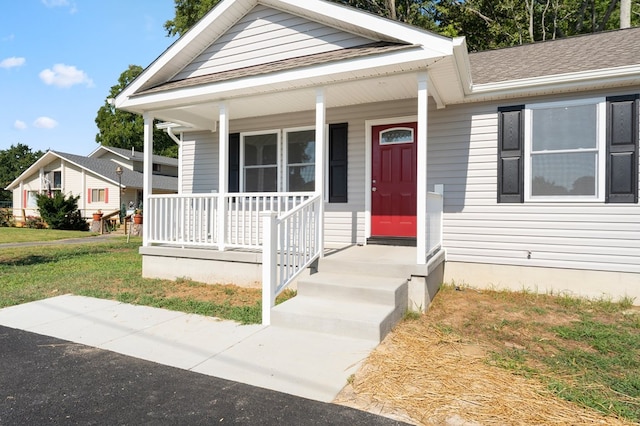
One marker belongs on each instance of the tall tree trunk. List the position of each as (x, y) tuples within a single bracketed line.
[(544, 15), (391, 7), (607, 15), (625, 13), (580, 16)]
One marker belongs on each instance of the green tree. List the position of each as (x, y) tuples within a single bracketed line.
[(60, 212), (13, 162), (122, 129), (489, 24), (415, 12), (188, 12)]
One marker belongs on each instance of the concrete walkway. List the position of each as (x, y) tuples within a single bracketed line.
[(307, 364)]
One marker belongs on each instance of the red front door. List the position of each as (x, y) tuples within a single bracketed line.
[(393, 180)]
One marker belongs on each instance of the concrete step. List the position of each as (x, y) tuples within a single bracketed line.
[(368, 321), (391, 291), (376, 268)]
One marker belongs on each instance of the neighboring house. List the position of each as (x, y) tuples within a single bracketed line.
[(93, 178), (367, 120)]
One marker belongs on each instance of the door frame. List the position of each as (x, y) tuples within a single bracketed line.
[(369, 124)]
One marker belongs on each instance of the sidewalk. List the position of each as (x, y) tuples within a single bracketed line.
[(50, 381), (307, 364)]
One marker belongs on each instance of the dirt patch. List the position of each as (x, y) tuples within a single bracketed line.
[(439, 370), (219, 294)]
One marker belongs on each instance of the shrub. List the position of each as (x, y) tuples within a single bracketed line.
[(34, 222), (6, 218), (61, 212)]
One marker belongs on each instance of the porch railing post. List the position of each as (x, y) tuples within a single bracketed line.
[(269, 264)]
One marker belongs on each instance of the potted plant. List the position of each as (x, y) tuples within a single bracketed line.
[(97, 215), (137, 216)]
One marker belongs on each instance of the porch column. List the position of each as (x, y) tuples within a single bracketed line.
[(223, 173), (147, 177), (321, 111), (421, 214)]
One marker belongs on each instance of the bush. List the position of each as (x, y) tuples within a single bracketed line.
[(60, 212), (34, 222), (6, 218)]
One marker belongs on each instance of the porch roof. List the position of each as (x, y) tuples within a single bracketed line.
[(282, 65)]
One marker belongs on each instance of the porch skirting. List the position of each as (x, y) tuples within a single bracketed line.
[(573, 282), (242, 268)]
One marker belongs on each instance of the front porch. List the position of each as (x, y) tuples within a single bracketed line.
[(272, 239)]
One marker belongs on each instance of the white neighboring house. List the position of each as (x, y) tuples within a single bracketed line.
[(279, 105), (93, 178)]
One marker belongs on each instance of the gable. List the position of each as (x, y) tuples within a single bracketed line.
[(266, 35)]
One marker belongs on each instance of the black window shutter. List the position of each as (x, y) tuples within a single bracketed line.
[(510, 154), (337, 163), (234, 162), (622, 149)]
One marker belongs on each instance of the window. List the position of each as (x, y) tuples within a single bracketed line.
[(584, 150), (98, 196), (31, 199), (396, 135), (260, 166), (260, 162), (301, 159), (564, 145), (57, 180)]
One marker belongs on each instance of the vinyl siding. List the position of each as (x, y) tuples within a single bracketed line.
[(267, 35), (463, 155)]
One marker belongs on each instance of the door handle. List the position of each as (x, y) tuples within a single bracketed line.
[(374, 189)]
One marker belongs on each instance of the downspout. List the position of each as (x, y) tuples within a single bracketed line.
[(178, 142), (174, 137)]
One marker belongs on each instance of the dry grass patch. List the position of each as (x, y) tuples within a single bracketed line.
[(477, 358)]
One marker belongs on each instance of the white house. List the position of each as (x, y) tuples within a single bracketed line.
[(354, 129), (93, 178)]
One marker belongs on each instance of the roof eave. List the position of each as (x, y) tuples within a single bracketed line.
[(316, 75), (610, 77)]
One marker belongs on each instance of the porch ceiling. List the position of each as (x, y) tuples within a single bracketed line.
[(203, 116)]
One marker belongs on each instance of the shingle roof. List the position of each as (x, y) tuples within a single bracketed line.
[(139, 156), (282, 65), (608, 49), (107, 169)]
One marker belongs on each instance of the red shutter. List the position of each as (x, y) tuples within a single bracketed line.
[(106, 195), (24, 199), (89, 196)]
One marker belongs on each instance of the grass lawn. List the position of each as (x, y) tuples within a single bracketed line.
[(112, 270), (498, 357), (24, 235)]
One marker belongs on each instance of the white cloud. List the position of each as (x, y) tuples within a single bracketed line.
[(65, 76), (12, 62), (20, 125), (45, 123), (55, 3), (61, 3)]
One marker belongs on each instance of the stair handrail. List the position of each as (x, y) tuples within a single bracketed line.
[(290, 243)]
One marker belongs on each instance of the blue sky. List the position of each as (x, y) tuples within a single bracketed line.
[(59, 58)]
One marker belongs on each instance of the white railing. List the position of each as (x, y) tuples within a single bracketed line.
[(435, 206), (193, 219), (183, 219), (243, 222), (291, 242)]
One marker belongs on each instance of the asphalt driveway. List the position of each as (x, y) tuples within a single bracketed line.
[(44, 380)]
